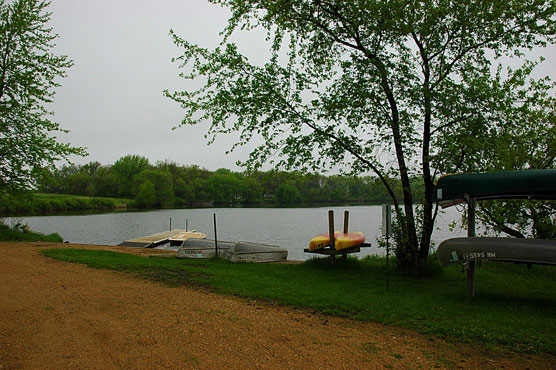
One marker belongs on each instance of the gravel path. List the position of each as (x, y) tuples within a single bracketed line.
[(57, 315)]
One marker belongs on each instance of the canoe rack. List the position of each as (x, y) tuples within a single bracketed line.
[(472, 187), (331, 250)]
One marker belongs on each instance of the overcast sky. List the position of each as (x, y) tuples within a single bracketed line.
[(112, 100)]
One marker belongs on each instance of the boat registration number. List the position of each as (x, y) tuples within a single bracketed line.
[(479, 255), (195, 254)]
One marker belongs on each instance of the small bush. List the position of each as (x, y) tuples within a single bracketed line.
[(20, 232)]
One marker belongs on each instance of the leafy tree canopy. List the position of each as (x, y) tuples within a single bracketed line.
[(507, 146), (125, 170), (375, 86), (28, 73)]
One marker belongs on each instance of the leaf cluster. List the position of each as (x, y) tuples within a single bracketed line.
[(29, 72)]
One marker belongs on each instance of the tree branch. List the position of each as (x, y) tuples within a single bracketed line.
[(474, 46), (451, 123), (347, 148), (501, 226)]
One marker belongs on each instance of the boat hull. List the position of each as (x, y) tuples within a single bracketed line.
[(256, 252), (529, 251), (202, 248)]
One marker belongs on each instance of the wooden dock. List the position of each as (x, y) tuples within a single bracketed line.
[(151, 241)]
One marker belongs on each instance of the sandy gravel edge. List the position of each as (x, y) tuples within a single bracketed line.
[(63, 315)]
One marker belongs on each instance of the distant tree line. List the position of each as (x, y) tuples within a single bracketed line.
[(167, 184)]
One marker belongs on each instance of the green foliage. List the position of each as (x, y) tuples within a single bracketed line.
[(125, 169), (520, 135), (176, 185), (518, 218), (28, 73), (224, 186), (369, 86), (19, 232), (146, 194), (514, 307), (159, 185), (288, 192)]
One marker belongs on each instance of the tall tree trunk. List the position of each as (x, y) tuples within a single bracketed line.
[(427, 224), (409, 245)]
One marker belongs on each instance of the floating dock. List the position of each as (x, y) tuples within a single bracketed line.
[(151, 241)]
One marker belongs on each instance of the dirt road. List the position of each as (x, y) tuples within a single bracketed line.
[(57, 315)]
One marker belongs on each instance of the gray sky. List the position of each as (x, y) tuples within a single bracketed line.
[(112, 99)]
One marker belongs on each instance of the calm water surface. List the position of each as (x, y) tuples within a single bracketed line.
[(291, 228)]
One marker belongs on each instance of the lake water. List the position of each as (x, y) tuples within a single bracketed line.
[(291, 228)]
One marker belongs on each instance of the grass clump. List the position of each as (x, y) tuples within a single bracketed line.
[(514, 307), (30, 202), (20, 232)]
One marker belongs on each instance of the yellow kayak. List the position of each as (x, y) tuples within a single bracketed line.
[(341, 240)]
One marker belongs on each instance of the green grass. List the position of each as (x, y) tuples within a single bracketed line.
[(515, 307), (41, 203), (116, 202), (19, 232)]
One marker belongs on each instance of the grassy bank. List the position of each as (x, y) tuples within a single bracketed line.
[(40, 203), (515, 307), (19, 232)]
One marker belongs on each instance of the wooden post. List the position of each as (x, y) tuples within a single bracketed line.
[(186, 224), (331, 234), (215, 236), (470, 267), (387, 265), (470, 216), (346, 228), (170, 223), (331, 229), (470, 280)]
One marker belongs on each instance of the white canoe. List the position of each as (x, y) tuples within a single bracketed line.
[(255, 252), (202, 248)]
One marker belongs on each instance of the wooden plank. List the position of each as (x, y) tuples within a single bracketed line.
[(333, 252), (152, 240), (470, 233), (331, 235), (180, 237), (331, 228), (328, 251), (346, 228)]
